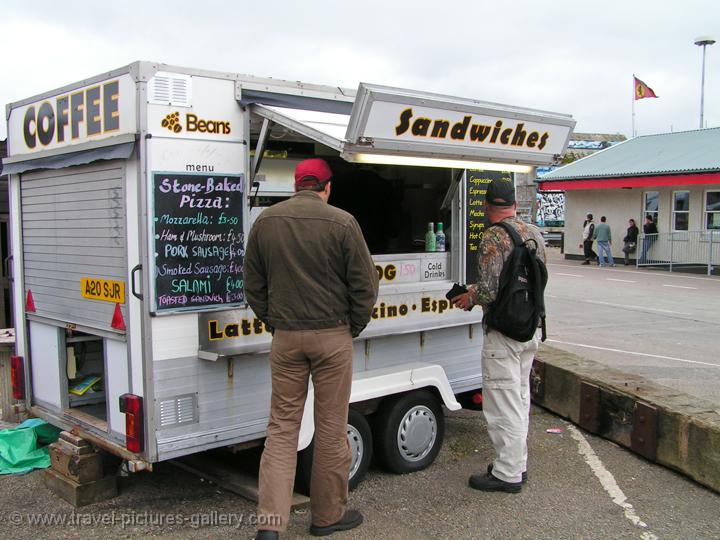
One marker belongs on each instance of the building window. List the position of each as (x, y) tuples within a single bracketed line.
[(651, 205), (681, 210), (712, 210)]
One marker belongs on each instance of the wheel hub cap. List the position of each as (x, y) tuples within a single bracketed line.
[(357, 449), (417, 433)]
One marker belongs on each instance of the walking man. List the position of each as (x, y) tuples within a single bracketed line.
[(506, 362), (603, 235), (310, 277)]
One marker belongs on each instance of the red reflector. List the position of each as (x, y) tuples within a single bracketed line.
[(134, 432), (30, 303), (118, 323), (477, 398), (17, 377)]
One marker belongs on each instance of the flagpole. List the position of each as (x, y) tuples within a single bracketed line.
[(633, 108)]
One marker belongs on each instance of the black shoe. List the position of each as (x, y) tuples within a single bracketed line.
[(489, 482), (524, 475), (267, 535), (350, 520)]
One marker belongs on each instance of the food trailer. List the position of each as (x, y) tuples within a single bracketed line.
[(131, 197)]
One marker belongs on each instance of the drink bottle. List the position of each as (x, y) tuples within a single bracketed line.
[(430, 238), (440, 238)]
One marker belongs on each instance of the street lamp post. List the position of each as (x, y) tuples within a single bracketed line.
[(703, 41)]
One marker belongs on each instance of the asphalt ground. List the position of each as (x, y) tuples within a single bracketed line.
[(660, 325), (603, 492), (654, 324)]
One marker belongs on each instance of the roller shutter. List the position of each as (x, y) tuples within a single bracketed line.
[(73, 227)]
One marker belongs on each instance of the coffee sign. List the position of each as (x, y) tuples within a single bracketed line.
[(74, 116)]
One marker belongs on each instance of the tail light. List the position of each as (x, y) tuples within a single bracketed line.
[(17, 377), (477, 398), (132, 406)]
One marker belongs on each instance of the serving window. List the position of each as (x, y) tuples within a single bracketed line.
[(393, 204)]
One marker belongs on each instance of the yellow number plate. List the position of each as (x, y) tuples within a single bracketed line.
[(103, 289)]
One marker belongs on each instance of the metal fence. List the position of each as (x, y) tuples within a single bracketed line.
[(680, 250)]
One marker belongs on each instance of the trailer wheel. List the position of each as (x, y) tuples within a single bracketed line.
[(409, 432), (361, 447)]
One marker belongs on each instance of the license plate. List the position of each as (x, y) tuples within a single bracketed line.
[(103, 289)]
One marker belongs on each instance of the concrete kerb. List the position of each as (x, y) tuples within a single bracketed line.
[(686, 434)]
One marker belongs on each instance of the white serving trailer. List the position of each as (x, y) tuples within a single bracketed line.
[(131, 196)]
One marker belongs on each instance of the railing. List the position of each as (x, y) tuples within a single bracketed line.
[(680, 249)]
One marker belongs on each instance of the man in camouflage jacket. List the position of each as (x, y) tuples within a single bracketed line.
[(506, 363)]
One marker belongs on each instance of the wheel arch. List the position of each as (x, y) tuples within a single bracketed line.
[(373, 387)]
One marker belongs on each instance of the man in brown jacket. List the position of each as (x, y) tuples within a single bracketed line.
[(309, 276)]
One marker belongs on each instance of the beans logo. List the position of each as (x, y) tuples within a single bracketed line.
[(172, 122), (194, 124)]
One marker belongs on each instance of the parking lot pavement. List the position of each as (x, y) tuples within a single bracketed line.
[(656, 324), (580, 487)]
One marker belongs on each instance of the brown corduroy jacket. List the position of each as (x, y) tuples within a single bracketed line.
[(307, 267)]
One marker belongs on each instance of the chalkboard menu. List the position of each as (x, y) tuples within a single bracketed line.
[(476, 221), (199, 247)]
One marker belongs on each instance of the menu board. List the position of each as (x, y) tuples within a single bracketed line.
[(476, 221), (198, 240)]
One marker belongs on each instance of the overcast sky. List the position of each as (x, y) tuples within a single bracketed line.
[(564, 56)]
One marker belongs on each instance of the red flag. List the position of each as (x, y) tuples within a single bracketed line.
[(642, 90)]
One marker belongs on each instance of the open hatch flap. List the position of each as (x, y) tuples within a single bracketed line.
[(324, 127), (394, 121), (388, 123)]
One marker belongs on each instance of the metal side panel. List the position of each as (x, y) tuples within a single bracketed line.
[(117, 382), (175, 336), (201, 405), (231, 397), (73, 225), (46, 358), (459, 351)]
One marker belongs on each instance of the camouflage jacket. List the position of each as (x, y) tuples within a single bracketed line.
[(495, 247)]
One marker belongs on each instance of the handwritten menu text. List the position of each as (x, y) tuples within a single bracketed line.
[(476, 221), (199, 240)]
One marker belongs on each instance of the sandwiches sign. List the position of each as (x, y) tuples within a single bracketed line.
[(388, 120), (460, 128)]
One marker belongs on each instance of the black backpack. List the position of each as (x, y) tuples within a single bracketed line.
[(519, 307)]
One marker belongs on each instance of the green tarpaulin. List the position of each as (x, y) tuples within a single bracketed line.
[(24, 447)]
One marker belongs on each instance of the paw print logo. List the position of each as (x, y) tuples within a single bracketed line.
[(172, 122)]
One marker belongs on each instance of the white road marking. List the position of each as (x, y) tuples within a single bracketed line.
[(635, 353), (680, 287), (607, 480), (645, 273), (643, 308), (621, 280), (571, 275)]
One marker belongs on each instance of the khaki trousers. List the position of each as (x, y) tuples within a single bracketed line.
[(506, 366), (294, 356)]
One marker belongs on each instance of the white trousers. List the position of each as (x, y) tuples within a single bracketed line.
[(506, 366)]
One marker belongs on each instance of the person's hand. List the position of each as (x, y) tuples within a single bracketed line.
[(463, 301)]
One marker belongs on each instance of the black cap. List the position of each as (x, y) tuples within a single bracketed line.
[(501, 192)]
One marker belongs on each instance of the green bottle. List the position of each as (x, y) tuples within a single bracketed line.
[(440, 238), (430, 238)]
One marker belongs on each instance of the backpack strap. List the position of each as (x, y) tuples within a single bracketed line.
[(517, 240)]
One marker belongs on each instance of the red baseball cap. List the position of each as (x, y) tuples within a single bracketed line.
[(312, 172)]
